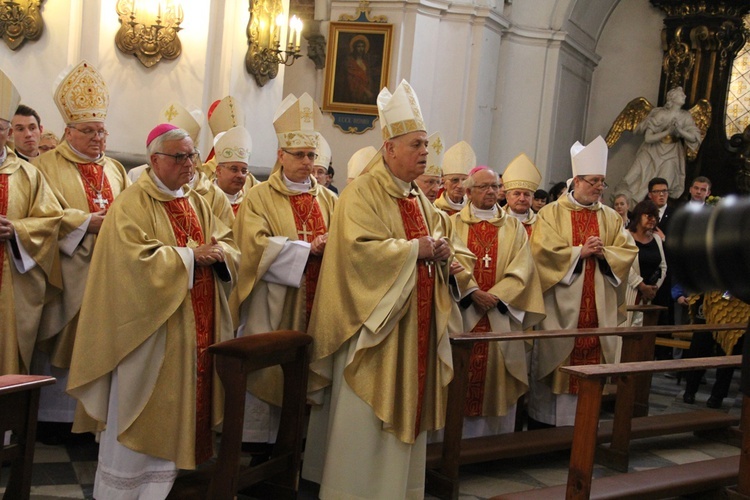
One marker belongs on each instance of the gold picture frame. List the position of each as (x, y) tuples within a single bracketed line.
[(357, 66)]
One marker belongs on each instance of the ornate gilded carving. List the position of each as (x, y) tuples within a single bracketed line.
[(682, 8), (149, 41), (363, 14), (316, 50), (20, 20), (678, 61), (730, 38)]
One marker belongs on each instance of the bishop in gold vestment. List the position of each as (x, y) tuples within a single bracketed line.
[(583, 255), (152, 382), (380, 320)]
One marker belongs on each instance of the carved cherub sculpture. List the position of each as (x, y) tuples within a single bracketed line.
[(670, 134)]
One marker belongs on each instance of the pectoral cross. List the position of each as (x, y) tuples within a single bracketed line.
[(304, 233), (487, 259), (101, 201)]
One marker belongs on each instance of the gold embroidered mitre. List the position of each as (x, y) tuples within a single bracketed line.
[(435, 151), (297, 122), (234, 145), (324, 153), (459, 159), (82, 96), (590, 159), (399, 112), (521, 173), (9, 98), (225, 115), (359, 161), (189, 121)]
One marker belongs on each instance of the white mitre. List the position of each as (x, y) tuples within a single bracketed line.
[(234, 145), (459, 159), (589, 160), (359, 161), (9, 98), (324, 153), (297, 122), (399, 112), (225, 115), (189, 121), (435, 151), (81, 95)]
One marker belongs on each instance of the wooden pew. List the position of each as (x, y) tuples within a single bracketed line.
[(709, 475), (444, 459), (19, 405)]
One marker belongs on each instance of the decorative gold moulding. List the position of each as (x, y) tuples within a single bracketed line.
[(20, 20), (149, 34), (266, 46)]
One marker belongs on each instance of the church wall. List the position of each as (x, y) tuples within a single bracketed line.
[(211, 66), (630, 66)]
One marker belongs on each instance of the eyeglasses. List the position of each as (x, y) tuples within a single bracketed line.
[(453, 180), (235, 170), (659, 191), (3, 127), (650, 216), (181, 157), (91, 132), (598, 182), (485, 187), (300, 155)]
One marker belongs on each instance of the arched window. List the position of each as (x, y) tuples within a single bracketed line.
[(738, 96)]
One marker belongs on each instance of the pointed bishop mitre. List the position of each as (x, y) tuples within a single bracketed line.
[(81, 95), (9, 97), (399, 112), (324, 153), (189, 121), (589, 160), (521, 173), (435, 151), (359, 161), (297, 122), (225, 115), (459, 159), (234, 145)]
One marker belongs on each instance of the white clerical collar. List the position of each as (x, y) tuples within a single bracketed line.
[(697, 203), (85, 157), (178, 193), (484, 214), (521, 217), (576, 202), (454, 206), (231, 197), (300, 187)]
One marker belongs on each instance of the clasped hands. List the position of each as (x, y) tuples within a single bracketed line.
[(593, 246), (208, 254), (431, 249)]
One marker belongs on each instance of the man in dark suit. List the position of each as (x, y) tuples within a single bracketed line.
[(658, 192)]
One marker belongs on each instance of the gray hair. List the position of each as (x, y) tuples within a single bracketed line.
[(469, 182), (176, 134)]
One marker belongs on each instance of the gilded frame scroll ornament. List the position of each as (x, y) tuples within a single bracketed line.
[(20, 20)]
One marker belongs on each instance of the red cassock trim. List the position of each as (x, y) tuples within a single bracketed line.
[(183, 220), (415, 227), (309, 219)]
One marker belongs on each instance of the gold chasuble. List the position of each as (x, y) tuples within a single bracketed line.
[(582, 297), (443, 204), (155, 331), (528, 222), (399, 373), (29, 204), (82, 187), (271, 215), (505, 269), (215, 197)]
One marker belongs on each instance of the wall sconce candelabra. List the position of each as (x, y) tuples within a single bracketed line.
[(271, 39), (149, 29), (20, 20)]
